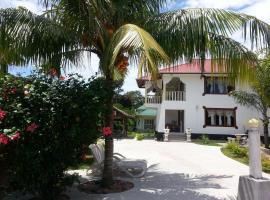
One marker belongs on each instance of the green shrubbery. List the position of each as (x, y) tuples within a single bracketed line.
[(205, 139), (236, 150), (45, 125), (139, 136), (233, 150), (132, 134)]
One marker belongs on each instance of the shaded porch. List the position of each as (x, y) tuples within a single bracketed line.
[(174, 120)]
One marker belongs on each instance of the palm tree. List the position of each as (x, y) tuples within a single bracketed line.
[(123, 31), (260, 97), (8, 54)]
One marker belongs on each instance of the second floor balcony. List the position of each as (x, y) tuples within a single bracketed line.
[(169, 96), (153, 99), (175, 96)]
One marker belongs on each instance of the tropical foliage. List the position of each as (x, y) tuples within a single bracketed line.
[(123, 31), (45, 125), (259, 98), (236, 152)]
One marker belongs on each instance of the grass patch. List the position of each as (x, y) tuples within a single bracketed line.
[(240, 154), (210, 143), (204, 140)]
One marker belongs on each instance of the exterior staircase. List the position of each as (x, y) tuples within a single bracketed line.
[(177, 137)]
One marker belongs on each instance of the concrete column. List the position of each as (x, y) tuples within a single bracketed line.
[(165, 81), (254, 186), (254, 143)]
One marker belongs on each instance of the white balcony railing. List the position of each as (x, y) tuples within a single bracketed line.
[(175, 96), (152, 99)]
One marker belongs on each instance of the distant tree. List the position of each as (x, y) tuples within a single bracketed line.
[(136, 98), (130, 100), (260, 97)]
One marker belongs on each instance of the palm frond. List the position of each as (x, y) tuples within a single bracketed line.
[(230, 56), (247, 99), (40, 38), (133, 40), (192, 33)]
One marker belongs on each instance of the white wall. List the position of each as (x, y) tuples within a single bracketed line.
[(193, 107)]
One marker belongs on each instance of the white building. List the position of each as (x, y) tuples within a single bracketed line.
[(183, 98)]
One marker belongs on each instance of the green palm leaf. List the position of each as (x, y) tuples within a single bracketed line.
[(136, 42)]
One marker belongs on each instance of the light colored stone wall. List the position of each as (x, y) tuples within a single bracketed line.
[(193, 106)]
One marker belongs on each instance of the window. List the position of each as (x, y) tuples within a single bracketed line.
[(220, 117), (148, 124), (217, 85)]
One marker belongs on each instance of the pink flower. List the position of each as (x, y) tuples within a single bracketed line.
[(13, 90), (26, 93), (16, 136), (107, 131), (53, 72), (2, 114), (62, 78), (32, 127), (4, 139)]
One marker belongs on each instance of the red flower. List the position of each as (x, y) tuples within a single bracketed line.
[(107, 131), (4, 139), (16, 136), (62, 78), (32, 127), (2, 114), (53, 72)]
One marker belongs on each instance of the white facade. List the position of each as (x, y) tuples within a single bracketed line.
[(191, 103)]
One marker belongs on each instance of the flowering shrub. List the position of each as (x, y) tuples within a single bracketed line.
[(44, 124), (107, 131)]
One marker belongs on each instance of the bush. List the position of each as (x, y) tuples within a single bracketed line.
[(265, 164), (205, 139), (139, 136), (236, 150), (131, 134), (45, 124)]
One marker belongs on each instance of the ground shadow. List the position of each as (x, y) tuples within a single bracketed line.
[(156, 185)]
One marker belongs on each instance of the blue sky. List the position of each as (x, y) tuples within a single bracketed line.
[(258, 8)]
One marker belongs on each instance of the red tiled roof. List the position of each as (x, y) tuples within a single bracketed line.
[(187, 68), (191, 68)]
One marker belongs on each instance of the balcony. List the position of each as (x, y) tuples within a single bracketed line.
[(153, 99), (175, 96)]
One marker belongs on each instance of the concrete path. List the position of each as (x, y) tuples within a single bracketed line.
[(177, 171)]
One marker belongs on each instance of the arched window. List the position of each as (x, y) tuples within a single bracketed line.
[(175, 85)]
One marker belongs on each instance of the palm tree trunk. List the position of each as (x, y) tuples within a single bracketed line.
[(3, 69), (107, 178), (266, 134)]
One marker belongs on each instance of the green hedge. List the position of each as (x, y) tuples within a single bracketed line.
[(47, 123)]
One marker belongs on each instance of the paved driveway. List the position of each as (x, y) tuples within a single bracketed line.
[(178, 171)]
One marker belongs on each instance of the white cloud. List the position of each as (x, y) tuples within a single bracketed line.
[(259, 9), (224, 4), (29, 4)]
